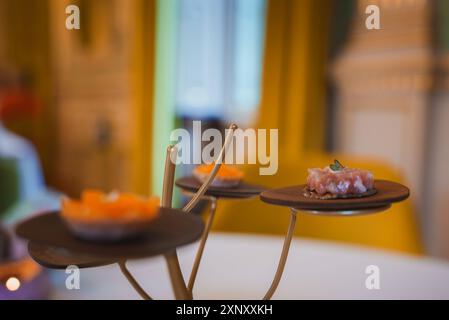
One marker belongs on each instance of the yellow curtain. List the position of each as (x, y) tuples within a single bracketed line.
[(294, 72), (143, 71), (293, 93)]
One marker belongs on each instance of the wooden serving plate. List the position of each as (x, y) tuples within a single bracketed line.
[(58, 258), (173, 228), (388, 192), (243, 190)]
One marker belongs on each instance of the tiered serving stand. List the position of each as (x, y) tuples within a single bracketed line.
[(53, 246)]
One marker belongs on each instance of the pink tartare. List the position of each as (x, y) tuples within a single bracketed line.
[(337, 181)]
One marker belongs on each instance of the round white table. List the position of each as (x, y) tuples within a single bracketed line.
[(241, 266)]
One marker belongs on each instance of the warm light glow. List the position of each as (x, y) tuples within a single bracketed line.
[(12, 284)]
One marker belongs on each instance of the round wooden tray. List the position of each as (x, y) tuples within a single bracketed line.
[(58, 258), (173, 228), (243, 190), (388, 192)]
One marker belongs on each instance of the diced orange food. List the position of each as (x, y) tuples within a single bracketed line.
[(225, 171), (98, 206)]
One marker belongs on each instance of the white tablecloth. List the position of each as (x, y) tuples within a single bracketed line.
[(239, 266)]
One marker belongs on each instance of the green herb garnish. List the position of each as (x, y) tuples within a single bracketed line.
[(336, 166)]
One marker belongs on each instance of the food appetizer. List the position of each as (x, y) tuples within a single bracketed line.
[(109, 217), (227, 176), (337, 181)]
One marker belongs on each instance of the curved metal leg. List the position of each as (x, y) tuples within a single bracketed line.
[(221, 157), (199, 253), (283, 258), (132, 281), (198, 196), (177, 280), (176, 277)]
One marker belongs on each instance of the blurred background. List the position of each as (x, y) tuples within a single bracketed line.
[(94, 107)]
